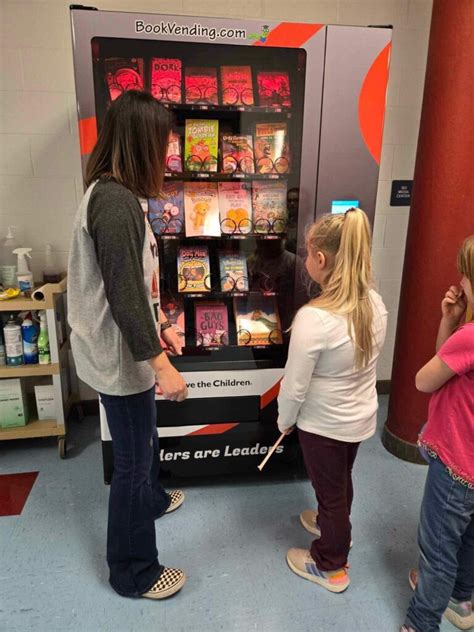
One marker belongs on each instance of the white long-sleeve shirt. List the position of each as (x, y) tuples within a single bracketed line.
[(322, 391)]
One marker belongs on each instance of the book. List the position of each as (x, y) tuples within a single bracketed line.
[(237, 86), (173, 308), (233, 271), (194, 273), (174, 162), (201, 85), (201, 144), (166, 79), (271, 148), (269, 204), (274, 88), (166, 213), (123, 74), (237, 153), (235, 207), (257, 320), (201, 206), (211, 323)]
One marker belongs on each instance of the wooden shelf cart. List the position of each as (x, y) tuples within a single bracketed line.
[(53, 293)]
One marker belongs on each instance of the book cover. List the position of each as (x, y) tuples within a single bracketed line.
[(257, 320), (237, 86), (233, 271), (201, 85), (201, 144), (274, 89), (237, 153), (123, 74), (166, 79), (201, 206), (271, 148), (173, 308), (235, 207), (269, 203), (174, 162), (194, 269), (166, 213), (212, 324)]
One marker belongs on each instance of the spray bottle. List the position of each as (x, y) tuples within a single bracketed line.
[(24, 275), (43, 341), (8, 260), (51, 272), (29, 333)]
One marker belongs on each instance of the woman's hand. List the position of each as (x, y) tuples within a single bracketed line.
[(170, 382), (453, 305), (173, 340)]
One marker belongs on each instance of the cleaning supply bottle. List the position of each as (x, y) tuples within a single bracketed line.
[(24, 274), (8, 268), (3, 357), (43, 341), (51, 272), (29, 333), (13, 342)]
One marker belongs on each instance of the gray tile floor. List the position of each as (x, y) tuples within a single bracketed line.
[(231, 539)]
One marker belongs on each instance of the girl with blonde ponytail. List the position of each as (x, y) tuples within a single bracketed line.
[(328, 390)]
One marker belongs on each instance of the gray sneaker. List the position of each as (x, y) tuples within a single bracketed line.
[(459, 613)]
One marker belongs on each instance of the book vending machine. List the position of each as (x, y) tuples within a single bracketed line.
[(274, 125)]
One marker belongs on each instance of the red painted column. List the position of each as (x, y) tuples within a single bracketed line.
[(441, 216)]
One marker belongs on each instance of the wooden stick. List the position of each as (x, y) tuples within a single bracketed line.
[(272, 450)]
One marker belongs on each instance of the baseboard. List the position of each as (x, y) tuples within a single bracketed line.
[(401, 449)]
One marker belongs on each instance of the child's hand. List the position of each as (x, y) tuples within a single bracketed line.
[(453, 305), (287, 431)]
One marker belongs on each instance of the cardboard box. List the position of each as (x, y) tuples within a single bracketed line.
[(45, 402), (13, 408)]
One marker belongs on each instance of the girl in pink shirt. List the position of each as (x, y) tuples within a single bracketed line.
[(444, 582)]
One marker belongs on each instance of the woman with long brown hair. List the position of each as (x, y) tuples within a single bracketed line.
[(116, 321)]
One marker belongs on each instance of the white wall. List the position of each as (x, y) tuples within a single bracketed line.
[(40, 177)]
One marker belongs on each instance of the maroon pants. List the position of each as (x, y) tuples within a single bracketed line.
[(329, 466)]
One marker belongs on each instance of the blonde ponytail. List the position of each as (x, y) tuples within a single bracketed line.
[(345, 240)]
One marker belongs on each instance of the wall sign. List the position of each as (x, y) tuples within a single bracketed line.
[(401, 193)]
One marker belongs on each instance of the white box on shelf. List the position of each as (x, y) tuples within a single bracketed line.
[(13, 410), (45, 402)]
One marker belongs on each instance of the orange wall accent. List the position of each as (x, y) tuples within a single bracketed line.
[(87, 134), (372, 103)]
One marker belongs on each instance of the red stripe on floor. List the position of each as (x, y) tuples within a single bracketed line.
[(14, 492)]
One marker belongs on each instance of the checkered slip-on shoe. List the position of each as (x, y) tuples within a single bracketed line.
[(301, 563), (459, 613), (177, 499), (170, 582), (308, 519)]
